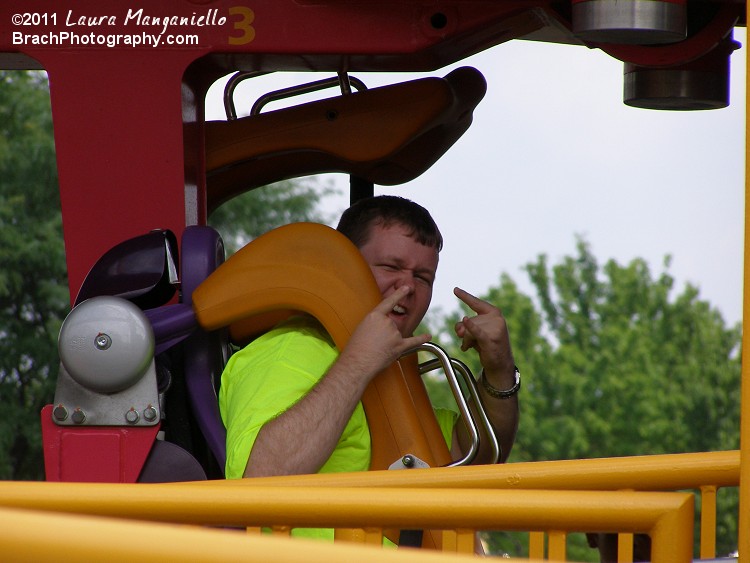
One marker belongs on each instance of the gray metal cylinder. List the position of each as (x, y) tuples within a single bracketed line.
[(676, 89), (639, 22), (106, 344)]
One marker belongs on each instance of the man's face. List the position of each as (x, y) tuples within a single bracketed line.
[(396, 259)]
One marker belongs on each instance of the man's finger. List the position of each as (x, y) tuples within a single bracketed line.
[(414, 341), (474, 303), (387, 304), (468, 340)]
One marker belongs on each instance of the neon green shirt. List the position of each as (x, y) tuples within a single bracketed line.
[(270, 375)]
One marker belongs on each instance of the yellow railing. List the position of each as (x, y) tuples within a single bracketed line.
[(705, 472), (666, 517), (43, 536), (554, 497)]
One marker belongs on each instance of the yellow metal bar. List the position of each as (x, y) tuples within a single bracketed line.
[(666, 517), (667, 472), (466, 541), (660, 548), (373, 536), (656, 472), (536, 545), (34, 536), (556, 548), (358, 535), (346, 507), (459, 541), (625, 548), (708, 522), (450, 541)]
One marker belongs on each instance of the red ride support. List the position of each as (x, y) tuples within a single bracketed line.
[(105, 454), (119, 149)]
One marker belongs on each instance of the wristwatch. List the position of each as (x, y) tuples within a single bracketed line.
[(498, 393)]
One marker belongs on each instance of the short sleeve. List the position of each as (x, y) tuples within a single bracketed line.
[(270, 375)]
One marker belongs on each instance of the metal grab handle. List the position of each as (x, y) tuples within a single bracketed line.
[(229, 88), (443, 360), (471, 384), (450, 367), (342, 80)]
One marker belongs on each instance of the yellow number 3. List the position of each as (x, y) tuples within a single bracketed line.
[(247, 31)]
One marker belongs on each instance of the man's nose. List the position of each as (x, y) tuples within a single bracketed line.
[(404, 279)]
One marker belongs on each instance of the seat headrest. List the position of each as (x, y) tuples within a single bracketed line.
[(305, 267), (142, 270)]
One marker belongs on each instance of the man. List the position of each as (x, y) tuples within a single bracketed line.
[(291, 402)]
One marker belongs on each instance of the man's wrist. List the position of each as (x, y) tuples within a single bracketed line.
[(502, 393)]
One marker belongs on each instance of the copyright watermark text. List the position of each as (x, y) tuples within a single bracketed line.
[(134, 28)]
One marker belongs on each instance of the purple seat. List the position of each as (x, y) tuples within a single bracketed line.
[(144, 270), (205, 352)]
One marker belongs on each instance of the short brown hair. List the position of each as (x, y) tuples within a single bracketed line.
[(357, 221)]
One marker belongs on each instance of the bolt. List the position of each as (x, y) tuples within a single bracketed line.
[(132, 416), (438, 20), (102, 341), (408, 461), (78, 416), (150, 413), (60, 413)]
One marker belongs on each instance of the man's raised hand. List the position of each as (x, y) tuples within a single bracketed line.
[(486, 332), (376, 342)]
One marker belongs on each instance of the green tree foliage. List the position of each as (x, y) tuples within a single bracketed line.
[(253, 213), (33, 278), (615, 364)]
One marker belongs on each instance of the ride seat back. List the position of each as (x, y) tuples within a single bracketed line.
[(387, 135)]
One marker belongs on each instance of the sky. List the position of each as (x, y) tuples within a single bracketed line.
[(554, 154)]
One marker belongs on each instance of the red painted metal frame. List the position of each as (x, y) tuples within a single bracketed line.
[(127, 119)]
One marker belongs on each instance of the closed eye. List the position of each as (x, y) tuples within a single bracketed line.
[(389, 267), (423, 277)]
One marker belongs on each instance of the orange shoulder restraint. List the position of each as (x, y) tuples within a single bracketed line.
[(312, 268)]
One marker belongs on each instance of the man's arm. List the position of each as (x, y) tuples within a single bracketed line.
[(487, 332), (302, 438)]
